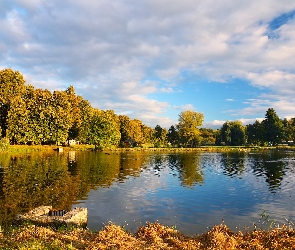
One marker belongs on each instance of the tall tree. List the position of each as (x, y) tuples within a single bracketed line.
[(40, 111), (83, 128), (188, 130), (11, 87), (61, 117), (18, 122), (273, 127)]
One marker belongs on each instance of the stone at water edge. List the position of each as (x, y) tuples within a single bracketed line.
[(77, 216)]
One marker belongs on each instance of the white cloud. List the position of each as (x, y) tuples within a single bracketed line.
[(184, 107), (112, 50)]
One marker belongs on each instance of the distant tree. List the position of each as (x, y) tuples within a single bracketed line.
[(105, 129), (172, 136), (61, 117), (255, 133), (83, 126), (125, 128), (148, 134), (273, 127), (132, 131), (188, 123), (160, 136), (74, 111), (208, 136), (233, 133), (291, 130)]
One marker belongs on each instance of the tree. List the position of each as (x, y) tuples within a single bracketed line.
[(291, 130), (255, 133), (83, 128), (11, 87), (172, 136), (273, 127), (60, 117), (41, 110), (18, 122), (208, 136), (147, 134), (105, 129), (233, 133), (189, 121), (160, 136)]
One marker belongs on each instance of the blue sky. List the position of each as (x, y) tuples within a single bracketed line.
[(152, 59)]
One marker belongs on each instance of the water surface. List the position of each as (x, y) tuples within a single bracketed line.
[(190, 191)]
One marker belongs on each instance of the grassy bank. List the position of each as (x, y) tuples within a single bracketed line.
[(151, 236), (44, 148)]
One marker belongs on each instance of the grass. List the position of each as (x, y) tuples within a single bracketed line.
[(43, 148), (151, 236)]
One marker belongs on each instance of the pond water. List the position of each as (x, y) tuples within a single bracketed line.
[(191, 191)]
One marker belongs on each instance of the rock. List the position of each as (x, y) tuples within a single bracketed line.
[(46, 215)]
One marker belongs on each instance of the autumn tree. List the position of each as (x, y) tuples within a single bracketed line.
[(147, 135), (18, 121), (188, 130), (11, 87)]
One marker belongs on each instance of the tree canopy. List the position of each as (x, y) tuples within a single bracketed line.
[(39, 116)]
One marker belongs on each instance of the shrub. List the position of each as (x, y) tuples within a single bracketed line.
[(4, 144)]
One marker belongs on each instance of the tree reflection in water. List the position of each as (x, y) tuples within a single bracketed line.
[(62, 179)]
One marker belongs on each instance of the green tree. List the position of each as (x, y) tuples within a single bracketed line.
[(60, 117), (77, 114), (172, 136), (126, 134), (188, 130), (255, 133), (273, 127), (40, 109), (233, 133), (83, 127), (18, 122), (208, 136), (105, 129), (160, 136), (291, 130)]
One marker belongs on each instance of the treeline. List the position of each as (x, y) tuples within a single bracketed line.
[(38, 116), (269, 132)]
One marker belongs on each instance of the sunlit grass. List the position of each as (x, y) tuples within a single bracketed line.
[(151, 236)]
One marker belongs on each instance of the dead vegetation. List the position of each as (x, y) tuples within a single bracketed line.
[(151, 236)]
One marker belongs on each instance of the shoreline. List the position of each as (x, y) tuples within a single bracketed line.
[(46, 148)]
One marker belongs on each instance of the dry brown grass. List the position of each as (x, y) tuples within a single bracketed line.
[(151, 236)]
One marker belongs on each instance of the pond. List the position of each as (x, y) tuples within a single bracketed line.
[(191, 191)]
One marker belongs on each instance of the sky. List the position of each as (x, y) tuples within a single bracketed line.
[(152, 59)]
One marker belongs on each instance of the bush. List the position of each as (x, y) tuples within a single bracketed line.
[(4, 144)]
